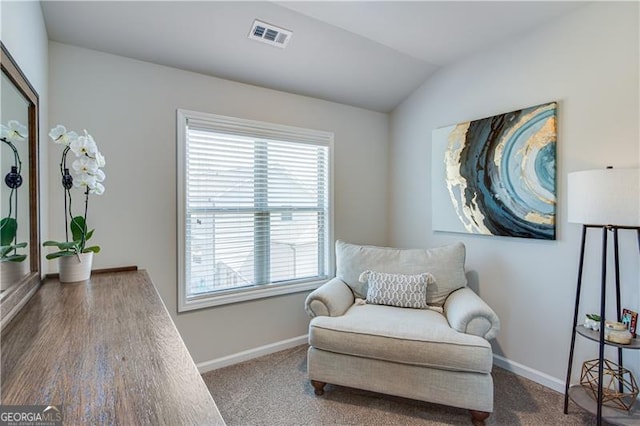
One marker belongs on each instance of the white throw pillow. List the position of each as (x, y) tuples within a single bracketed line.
[(401, 290)]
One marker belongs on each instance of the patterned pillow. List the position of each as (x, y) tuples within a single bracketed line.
[(404, 291)]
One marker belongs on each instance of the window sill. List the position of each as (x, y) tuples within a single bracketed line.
[(246, 294)]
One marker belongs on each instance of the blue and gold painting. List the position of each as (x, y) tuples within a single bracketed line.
[(497, 175)]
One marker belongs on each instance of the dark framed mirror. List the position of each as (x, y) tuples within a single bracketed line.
[(19, 190)]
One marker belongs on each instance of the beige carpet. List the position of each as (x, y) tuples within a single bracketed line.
[(274, 390)]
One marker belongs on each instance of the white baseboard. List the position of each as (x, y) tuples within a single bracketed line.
[(225, 361), (529, 373)]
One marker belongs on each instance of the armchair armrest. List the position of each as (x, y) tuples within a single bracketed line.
[(468, 313), (332, 299)]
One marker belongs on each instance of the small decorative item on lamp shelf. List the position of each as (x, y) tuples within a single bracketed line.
[(619, 387), (616, 332), (630, 318), (592, 321)]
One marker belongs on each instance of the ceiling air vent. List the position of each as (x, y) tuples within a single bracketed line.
[(270, 34)]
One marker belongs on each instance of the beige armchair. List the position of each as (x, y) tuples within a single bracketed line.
[(438, 353)]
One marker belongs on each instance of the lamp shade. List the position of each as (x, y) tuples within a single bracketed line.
[(604, 197)]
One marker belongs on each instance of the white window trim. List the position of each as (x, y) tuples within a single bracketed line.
[(267, 130)]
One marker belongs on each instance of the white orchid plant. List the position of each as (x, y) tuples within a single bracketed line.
[(85, 173), (13, 132)]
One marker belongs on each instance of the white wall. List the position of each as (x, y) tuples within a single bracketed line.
[(588, 62), (130, 108), (25, 36)]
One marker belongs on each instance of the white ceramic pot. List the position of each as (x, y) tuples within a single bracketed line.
[(592, 324), (75, 268), (10, 273)]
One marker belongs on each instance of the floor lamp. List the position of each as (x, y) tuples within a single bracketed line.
[(609, 200)]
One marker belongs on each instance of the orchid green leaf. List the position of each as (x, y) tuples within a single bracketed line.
[(8, 230), (14, 258)]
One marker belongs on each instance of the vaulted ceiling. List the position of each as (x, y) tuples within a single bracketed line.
[(370, 54)]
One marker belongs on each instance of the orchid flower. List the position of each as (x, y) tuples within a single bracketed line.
[(85, 165), (84, 145), (60, 135), (85, 179), (100, 159), (100, 176), (14, 131), (98, 189)]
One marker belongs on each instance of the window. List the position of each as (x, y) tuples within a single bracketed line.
[(254, 209)]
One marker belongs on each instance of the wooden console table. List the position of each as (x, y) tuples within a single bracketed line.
[(108, 351)]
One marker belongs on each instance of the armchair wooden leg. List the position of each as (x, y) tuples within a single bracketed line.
[(318, 387), (478, 417)]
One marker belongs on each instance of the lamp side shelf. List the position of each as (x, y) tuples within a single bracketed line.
[(581, 398), (595, 336)]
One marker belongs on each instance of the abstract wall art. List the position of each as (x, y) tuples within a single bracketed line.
[(497, 175)]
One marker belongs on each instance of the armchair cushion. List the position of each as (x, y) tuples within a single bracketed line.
[(446, 264), (409, 336)]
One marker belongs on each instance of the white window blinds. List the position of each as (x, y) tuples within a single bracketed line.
[(256, 205)]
